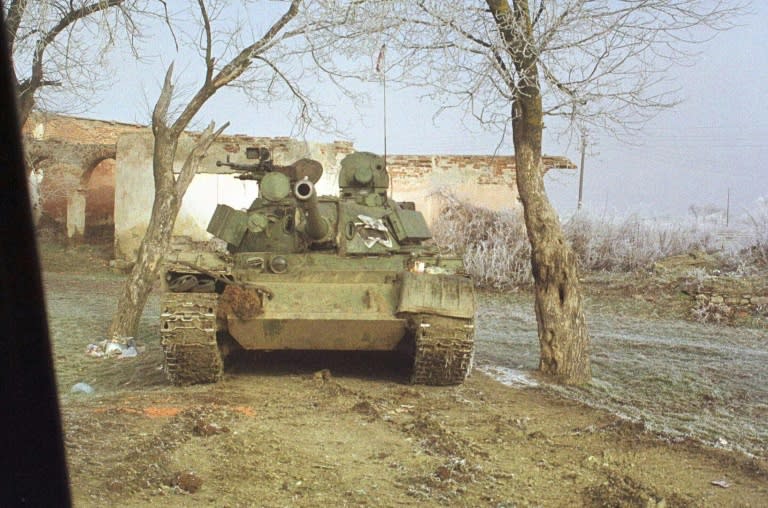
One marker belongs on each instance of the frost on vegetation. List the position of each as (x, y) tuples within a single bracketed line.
[(632, 243), (496, 250), (755, 221), (709, 312), (494, 244), (697, 275)]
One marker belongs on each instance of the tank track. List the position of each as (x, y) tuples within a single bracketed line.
[(444, 350), (188, 337)]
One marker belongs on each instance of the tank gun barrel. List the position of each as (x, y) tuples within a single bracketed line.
[(305, 192)]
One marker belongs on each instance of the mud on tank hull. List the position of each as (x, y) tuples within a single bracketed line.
[(317, 301)]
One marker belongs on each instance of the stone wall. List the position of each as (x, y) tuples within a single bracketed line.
[(727, 299), (65, 152), (732, 291)]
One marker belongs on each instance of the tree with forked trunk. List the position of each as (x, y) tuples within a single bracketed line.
[(270, 67), (512, 64), (54, 47), (170, 189)]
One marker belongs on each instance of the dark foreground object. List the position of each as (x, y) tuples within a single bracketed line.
[(34, 470)]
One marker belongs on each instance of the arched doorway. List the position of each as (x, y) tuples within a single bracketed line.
[(75, 189), (98, 185), (57, 183)]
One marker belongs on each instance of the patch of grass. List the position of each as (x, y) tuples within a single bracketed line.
[(79, 258)]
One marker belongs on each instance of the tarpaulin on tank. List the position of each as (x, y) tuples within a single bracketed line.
[(445, 295)]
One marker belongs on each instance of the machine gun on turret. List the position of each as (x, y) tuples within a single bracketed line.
[(301, 169), (253, 171)]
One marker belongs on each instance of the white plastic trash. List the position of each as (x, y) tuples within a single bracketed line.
[(81, 388), (129, 352), (113, 349)]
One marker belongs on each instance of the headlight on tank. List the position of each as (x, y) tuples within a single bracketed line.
[(278, 264)]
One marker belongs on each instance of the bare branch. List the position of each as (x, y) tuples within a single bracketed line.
[(598, 62), (67, 20), (51, 34), (13, 19), (160, 113), (234, 68), (192, 162), (208, 45), (167, 21)]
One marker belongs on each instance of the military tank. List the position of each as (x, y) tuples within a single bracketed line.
[(306, 272)]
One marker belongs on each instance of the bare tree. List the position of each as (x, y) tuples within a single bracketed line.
[(515, 63), (63, 44), (269, 67)]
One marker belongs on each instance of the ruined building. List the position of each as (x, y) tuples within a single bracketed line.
[(93, 178)]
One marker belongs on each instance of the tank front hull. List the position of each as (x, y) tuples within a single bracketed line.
[(342, 333), (317, 301), (338, 314)]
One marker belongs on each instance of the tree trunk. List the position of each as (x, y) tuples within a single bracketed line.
[(155, 243), (563, 337), (26, 104), (145, 272)]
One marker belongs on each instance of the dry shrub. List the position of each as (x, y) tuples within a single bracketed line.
[(708, 312), (633, 243), (497, 253), (494, 244), (756, 222)]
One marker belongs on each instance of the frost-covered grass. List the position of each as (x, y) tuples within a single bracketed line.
[(496, 250), (681, 379)]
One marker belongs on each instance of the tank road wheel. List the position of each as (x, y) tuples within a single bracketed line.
[(188, 337), (444, 350)]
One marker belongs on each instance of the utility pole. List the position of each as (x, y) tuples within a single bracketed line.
[(581, 169)]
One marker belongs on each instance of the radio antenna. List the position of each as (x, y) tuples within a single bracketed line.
[(381, 68)]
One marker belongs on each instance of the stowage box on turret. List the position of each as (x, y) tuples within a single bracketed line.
[(307, 272)]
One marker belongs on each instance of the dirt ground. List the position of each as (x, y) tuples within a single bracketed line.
[(345, 430)]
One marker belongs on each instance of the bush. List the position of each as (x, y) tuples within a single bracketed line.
[(633, 243), (497, 253), (756, 222), (494, 244)]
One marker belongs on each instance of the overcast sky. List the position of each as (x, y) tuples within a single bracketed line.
[(713, 144)]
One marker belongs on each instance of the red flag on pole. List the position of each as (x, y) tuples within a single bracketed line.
[(380, 59)]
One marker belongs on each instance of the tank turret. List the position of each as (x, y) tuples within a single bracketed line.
[(363, 178), (286, 215)]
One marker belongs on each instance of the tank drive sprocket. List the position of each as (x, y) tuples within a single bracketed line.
[(188, 337), (444, 349)]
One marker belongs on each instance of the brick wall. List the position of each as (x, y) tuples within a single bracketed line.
[(483, 169), (45, 126)]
